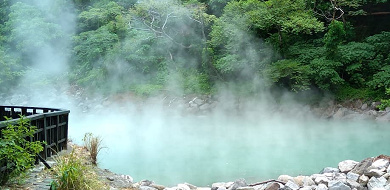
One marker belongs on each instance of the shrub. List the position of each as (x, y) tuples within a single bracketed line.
[(385, 102), (71, 172), (17, 153), (93, 145)]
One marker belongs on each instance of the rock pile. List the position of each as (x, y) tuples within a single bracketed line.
[(369, 174)]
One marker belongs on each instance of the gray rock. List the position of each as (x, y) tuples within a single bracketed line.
[(355, 185), (321, 187), (374, 173), (358, 104), (307, 181), (375, 183), (146, 188), (307, 188), (329, 170), (322, 180), (191, 186), (285, 178), (337, 185), (291, 185), (363, 180), (237, 184), (358, 116), (340, 177), (203, 188), (145, 183), (361, 167), (375, 104), (388, 169), (157, 186), (182, 187), (372, 113), (221, 184), (380, 164), (272, 186), (364, 106), (340, 113), (246, 188), (384, 118), (352, 176), (347, 165)]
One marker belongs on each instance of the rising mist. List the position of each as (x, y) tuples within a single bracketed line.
[(253, 137)]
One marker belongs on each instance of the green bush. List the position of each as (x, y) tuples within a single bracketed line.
[(385, 102), (290, 74), (71, 172), (16, 152), (346, 92)]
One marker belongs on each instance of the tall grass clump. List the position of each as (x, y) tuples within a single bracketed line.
[(72, 173), (93, 145)]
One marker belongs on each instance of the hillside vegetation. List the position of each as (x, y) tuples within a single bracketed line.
[(339, 47)]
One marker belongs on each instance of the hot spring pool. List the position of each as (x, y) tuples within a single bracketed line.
[(204, 149)]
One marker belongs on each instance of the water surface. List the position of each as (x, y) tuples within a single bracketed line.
[(206, 149)]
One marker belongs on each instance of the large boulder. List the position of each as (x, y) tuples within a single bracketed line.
[(329, 170), (352, 176), (376, 183), (362, 166), (338, 185), (291, 186), (237, 184), (321, 187), (272, 186), (347, 165), (285, 178)]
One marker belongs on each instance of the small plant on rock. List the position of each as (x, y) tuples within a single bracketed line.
[(17, 153), (93, 145)]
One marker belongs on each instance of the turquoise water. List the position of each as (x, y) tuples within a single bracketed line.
[(202, 150)]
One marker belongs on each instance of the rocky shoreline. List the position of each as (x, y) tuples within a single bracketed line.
[(371, 174)]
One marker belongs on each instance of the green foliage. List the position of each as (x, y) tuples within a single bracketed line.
[(10, 70), (18, 153), (29, 29), (333, 38), (146, 90), (71, 172), (381, 79), (357, 58), (347, 92), (325, 73), (194, 83), (385, 103), (290, 74), (96, 17)]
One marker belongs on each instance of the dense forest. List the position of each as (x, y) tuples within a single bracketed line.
[(340, 47)]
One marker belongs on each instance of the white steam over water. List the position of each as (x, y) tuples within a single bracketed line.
[(169, 149), (257, 142)]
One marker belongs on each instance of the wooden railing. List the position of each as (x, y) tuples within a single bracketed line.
[(52, 125)]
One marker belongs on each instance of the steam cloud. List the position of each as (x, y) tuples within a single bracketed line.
[(257, 138)]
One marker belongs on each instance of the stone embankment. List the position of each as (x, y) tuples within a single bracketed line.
[(369, 174)]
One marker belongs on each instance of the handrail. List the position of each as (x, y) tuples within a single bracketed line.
[(51, 123)]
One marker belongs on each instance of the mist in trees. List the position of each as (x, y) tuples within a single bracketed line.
[(147, 46)]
